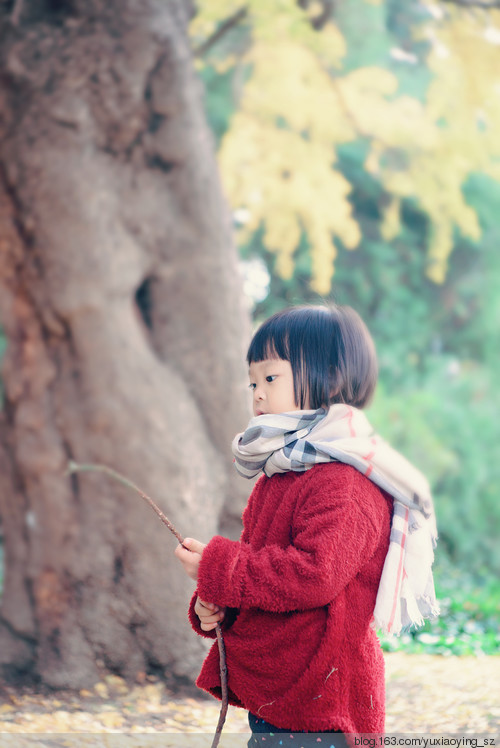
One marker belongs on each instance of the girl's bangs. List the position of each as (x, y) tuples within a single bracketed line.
[(269, 342)]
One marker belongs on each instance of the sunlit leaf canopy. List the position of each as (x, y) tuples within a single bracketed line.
[(300, 100)]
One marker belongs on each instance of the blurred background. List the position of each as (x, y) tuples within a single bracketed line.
[(361, 158), (358, 145)]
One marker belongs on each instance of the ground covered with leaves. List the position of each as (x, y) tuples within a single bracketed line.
[(425, 694)]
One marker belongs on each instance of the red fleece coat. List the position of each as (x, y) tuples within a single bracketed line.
[(300, 588)]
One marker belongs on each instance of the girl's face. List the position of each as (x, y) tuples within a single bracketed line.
[(272, 383)]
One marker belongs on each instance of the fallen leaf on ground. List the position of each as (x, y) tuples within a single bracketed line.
[(424, 694)]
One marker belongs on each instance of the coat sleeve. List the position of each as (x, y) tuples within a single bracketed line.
[(231, 613), (336, 530)]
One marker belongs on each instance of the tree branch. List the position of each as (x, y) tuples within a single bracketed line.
[(73, 467), (225, 26), (317, 23), (322, 18), (326, 12)]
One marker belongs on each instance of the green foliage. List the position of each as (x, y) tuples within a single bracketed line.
[(446, 428), (383, 35), (417, 86), (469, 620), (218, 100)]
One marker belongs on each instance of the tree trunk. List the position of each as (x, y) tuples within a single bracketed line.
[(120, 299)]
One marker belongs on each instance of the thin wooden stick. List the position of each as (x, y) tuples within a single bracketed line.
[(223, 683), (74, 467)]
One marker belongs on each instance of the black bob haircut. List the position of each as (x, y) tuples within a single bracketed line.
[(330, 350)]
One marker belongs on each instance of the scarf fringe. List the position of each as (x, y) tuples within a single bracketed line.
[(431, 613)]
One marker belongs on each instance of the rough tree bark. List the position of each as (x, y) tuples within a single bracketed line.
[(120, 299)]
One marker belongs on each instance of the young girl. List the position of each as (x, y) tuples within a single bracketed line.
[(338, 538)]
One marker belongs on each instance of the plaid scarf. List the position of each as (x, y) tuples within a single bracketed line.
[(298, 440)]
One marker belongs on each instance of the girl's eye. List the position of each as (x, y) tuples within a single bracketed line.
[(252, 386), (271, 378)]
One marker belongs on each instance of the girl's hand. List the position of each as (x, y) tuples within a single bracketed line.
[(209, 614), (190, 559)]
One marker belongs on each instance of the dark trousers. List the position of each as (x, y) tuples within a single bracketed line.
[(268, 736)]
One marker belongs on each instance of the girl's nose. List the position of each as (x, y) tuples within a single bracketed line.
[(258, 394)]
